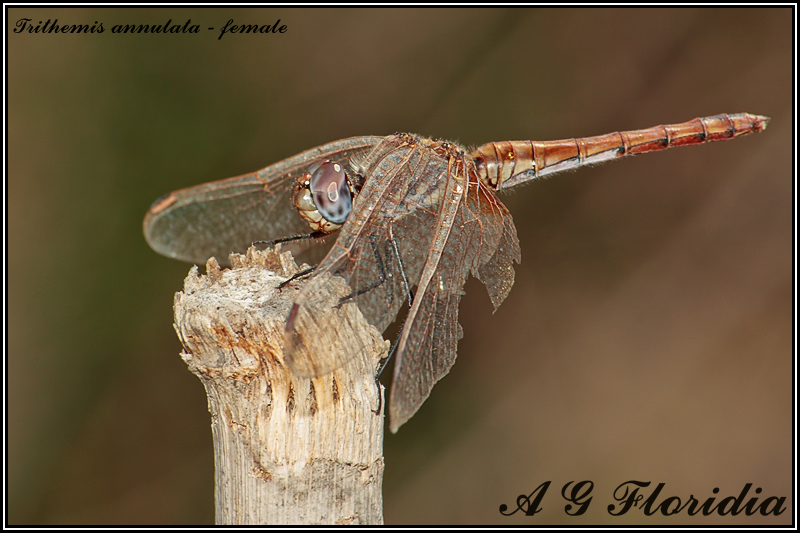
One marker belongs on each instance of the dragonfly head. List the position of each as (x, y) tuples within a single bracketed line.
[(324, 198)]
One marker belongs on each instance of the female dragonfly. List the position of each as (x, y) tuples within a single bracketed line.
[(414, 217)]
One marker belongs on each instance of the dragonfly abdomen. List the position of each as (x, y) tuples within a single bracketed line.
[(506, 164)]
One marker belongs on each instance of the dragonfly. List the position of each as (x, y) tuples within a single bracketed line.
[(413, 217)]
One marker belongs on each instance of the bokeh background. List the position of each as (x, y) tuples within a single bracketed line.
[(649, 332)]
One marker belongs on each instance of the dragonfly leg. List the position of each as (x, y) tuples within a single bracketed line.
[(406, 284), (301, 237), (380, 373), (313, 235), (382, 273), (380, 398), (364, 290), (410, 295), (384, 364), (300, 274), (388, 358)]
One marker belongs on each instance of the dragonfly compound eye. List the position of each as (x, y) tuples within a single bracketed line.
[(330, 190)]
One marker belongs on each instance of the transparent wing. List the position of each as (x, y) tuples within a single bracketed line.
[(226, 216), (481, 239)]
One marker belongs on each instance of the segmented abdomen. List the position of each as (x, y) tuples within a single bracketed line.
[(509, 163)]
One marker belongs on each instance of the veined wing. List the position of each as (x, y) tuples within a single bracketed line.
[(475, 233), (226, 216)]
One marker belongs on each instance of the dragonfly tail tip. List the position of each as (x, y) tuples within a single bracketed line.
[(759, 122)]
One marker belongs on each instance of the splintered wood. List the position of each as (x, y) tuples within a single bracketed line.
[(288, 449)]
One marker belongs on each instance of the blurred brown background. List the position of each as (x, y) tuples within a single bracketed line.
[(649, 332)]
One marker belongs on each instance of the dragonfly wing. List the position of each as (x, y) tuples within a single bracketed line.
[(496, 231), (226, 216), (480, 238)]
